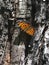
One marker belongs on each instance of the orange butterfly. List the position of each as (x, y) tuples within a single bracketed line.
[(26, 27)]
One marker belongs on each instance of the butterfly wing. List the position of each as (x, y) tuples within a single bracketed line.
[(23, 25), (30, 31), (27, 28)]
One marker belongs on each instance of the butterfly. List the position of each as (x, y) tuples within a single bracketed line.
[(26, 27)]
